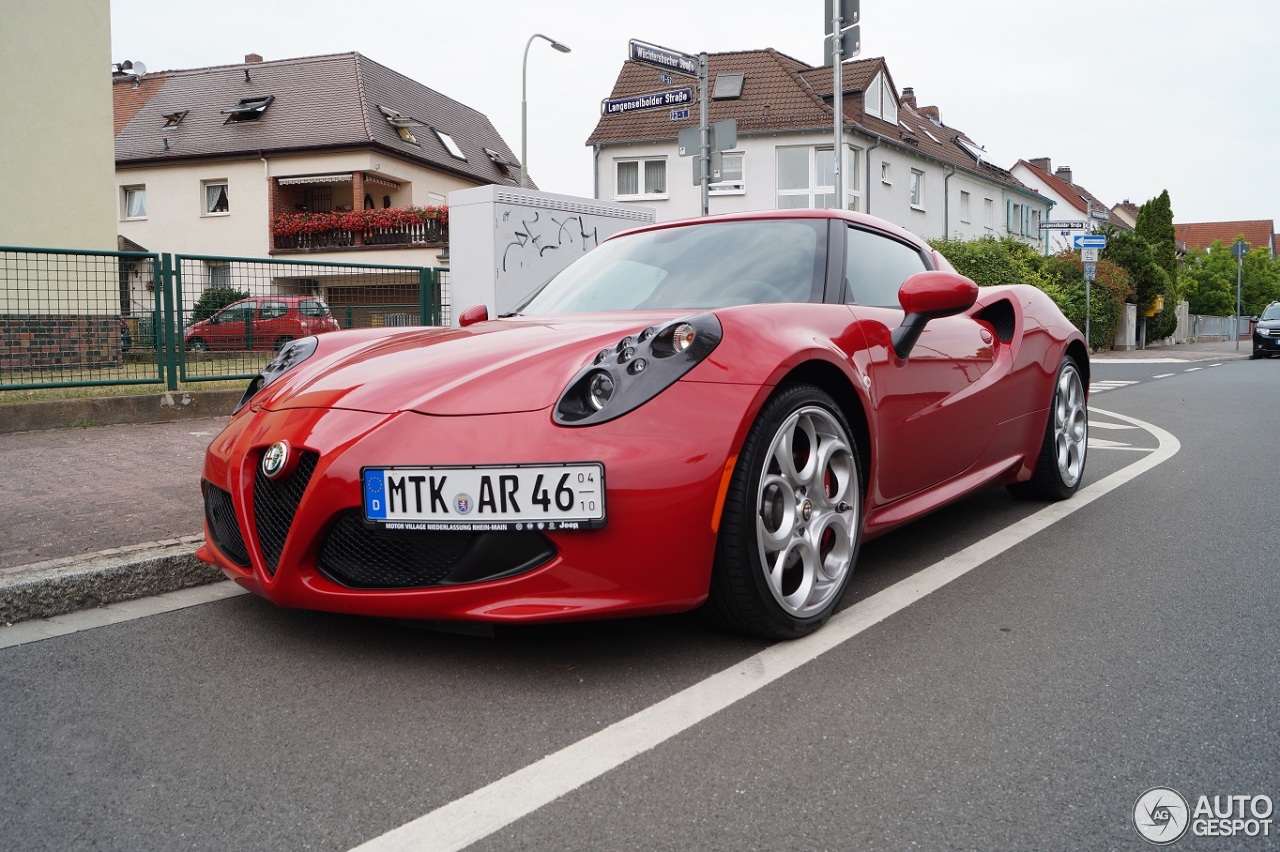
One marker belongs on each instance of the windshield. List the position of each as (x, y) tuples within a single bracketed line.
[(707, 265), (1272, 312)]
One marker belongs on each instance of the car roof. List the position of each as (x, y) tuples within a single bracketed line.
[(850, 216)]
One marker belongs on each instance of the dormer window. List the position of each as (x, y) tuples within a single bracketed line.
[(880, 100), (403, 124), (248, 109), (449, 145)]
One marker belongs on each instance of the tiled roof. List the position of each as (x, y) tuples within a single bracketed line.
[(1257, 233), (1077, 196), (780, 93), (321, 102)]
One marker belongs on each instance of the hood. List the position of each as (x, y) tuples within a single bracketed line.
[(497, 367)]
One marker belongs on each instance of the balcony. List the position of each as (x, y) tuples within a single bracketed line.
[(390, 227)]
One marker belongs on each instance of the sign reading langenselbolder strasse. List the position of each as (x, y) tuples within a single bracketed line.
[(653, 100)]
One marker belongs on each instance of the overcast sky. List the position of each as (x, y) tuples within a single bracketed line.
[(1136, 96)]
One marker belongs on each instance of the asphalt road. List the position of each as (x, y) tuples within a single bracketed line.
[(1049, 680)]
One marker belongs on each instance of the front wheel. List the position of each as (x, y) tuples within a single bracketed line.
[(197, 344), (1060, 467), (792, 519)]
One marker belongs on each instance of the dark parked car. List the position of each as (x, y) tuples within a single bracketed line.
[(266, 322), (1266, 332)]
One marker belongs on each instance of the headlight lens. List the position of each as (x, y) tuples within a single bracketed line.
[(623, 377), (290, 355)]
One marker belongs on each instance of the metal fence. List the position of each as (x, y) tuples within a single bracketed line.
[(85, 318)]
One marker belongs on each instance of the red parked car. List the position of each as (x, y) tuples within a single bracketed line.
[(266, 322), (712, 412)]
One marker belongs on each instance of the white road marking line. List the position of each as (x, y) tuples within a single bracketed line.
[(487, 810), (1211, 365), (116, 613), (1103, 444), (1188, 370), (1098, 424), (1163, 376), (1104, 361)]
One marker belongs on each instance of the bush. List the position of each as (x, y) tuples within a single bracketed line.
[(215, 299)]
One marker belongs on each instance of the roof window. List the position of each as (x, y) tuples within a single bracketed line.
[(728, 87), (500, 161), (402, 123), (449, 145), (248, 109), (173, 119)]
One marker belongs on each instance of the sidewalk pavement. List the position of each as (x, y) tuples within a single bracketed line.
[(105, 513)]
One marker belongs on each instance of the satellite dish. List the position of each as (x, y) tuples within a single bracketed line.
[(139, 69)]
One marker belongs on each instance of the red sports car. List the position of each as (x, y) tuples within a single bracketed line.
[(712, 412)]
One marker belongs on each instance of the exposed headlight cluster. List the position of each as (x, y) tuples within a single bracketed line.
[(625, 376), (290, 355)]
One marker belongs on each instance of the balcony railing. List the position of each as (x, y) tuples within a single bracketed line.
[(392, 226)]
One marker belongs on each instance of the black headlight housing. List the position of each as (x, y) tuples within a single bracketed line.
[(625, 376), (290, 355)]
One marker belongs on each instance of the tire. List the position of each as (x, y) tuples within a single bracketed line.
[(197, 344), (1060, 467), (797, 482)]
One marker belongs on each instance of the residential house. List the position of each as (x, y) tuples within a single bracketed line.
[(292, 158), (1071, 202), (1257, 233), (899, 161), (1126, 211)]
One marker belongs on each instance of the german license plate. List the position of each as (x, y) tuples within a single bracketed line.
[(510, 497)]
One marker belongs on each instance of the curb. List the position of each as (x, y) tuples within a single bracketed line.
[(54, 588), (114, 410)]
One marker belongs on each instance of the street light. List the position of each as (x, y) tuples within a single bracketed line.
[(524, 104)]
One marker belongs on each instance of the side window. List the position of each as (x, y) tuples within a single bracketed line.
[(875, 267), (273, 310)]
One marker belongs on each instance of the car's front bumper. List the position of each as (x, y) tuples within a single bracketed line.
[(665, 466)]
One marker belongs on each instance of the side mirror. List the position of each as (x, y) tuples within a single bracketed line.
[(473, 315), (929, 295)]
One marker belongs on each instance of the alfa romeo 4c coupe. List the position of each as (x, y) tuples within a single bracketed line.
[(709, 413)]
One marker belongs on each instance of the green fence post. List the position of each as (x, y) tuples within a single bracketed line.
[(425, 281), (172, 334)]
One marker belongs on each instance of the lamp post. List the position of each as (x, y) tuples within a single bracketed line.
[(524, 104)]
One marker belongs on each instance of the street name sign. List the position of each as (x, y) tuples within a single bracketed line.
[(653, 100), (1061, 225), (1084, 241), (664, 58)]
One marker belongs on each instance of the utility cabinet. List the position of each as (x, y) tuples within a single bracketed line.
[(505, 242)]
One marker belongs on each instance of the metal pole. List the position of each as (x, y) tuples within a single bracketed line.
[(704, 148), (524, 104), (837, 98), (1236, 324)]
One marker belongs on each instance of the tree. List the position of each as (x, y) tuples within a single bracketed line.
[(1134, 255), (1210, 278), (1155, 225), (215, 299)]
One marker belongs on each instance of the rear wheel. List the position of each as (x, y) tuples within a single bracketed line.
[(1060, 467), (197, 344), (792, 519)]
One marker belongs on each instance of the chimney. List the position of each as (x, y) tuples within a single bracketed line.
[(932, 113), (908, 98), (1043, 164), (252, 57), (1064, 172)]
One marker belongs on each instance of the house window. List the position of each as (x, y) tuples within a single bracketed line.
[(215, 198), (135, 202), (1035, 223), (219, 275), (988, 213), (806, 177), (853, 179), (880, 101), (964, 207), (917, 189), (733, 175), (641, 179), (1015, 219), (449, 145)]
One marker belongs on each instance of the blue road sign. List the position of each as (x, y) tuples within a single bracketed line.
[(1084, 241), (654, 100), (664, 58)]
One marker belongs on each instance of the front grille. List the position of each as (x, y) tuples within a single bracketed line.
[(220, 513), (364, 557), (275, 501)]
